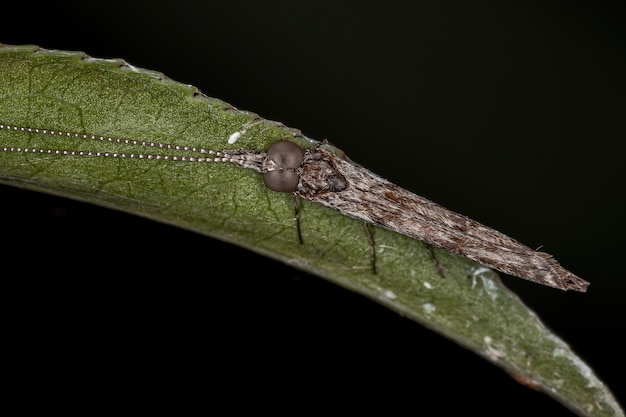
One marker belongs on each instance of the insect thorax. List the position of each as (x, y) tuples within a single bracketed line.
[(319, 174)]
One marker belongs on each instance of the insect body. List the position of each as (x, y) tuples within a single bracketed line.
[(320, 176)]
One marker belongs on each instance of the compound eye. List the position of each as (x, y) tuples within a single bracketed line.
[(281, 181), (286, 155)]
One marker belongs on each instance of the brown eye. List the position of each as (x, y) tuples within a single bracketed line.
[(286, 155), (281, 181)]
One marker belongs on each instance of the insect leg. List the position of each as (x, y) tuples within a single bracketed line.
[(294, 198), (370, 239)]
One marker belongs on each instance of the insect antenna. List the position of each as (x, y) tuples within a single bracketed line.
[(246, 159)]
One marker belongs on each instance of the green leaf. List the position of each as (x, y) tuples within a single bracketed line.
[(72, 92)]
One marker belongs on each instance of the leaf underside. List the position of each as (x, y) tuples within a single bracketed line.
[(73, 92)]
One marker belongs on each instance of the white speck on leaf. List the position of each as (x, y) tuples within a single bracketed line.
[(389, 294), (491, 352), (233, 138), (428, 308), (489, 284)]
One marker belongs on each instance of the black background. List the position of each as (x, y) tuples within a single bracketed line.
[(509, 112)]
